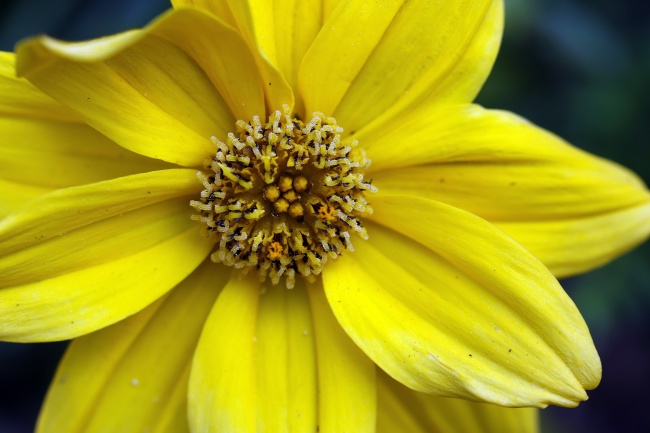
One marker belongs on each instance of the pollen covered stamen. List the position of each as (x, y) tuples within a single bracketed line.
[(284, 196)]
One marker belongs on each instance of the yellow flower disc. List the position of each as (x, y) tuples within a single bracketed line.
[(283, 196)]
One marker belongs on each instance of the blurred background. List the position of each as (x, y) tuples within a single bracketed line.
[(580, 68)]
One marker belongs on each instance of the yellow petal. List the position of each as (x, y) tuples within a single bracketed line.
[(347, 389), (96, 243), (447, 66), (222, 390), (555, 199), (464, 311), (575, 245), (68, 209), (80, 259), (161, 92), (46, 146), (404, 410), (296, 24), (257, 23), (463, 80), (266, 363), (220, 9), (83, 301), (222, 55), (279, 33), (127, 377), (53, 154), (20, 98), (338, 54), (264, 378), (434, 52), (498, 166), (13, 195), (286, 362)]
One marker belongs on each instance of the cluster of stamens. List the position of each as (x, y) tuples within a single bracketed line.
[(284, 196)]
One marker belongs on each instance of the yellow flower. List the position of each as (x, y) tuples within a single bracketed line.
[(469, 214)]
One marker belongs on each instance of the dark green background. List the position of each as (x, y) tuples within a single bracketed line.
[(579, 68)]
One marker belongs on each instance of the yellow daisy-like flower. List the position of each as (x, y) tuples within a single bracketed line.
[(339, 155)]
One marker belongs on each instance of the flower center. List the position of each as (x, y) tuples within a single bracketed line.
[(284, 196)]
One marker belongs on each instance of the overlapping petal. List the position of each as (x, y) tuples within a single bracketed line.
[(572, 245), (466, 311), (20, 98), (161, 92), (286, 362), (277, 361), (53, 154), (129, 369), (79, 259), (279, 32), (439, 297), (220, 9), (282, 31), (46, 146), (393, 60), (347, 394), (404, 410), (13, 195), (222, 392), (40, 155), (574, 211), (525, 285), (258, 23), (338, 54)]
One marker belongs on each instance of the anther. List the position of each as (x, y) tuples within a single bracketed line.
[(326, 213), (275, 251)]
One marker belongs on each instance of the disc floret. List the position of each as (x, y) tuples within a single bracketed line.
[(283, 196)]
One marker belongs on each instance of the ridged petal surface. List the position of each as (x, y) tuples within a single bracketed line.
[(403, 410), (162, 91), (454, 307), (79, 259), (277, 361), (129, 369), (571, 209)]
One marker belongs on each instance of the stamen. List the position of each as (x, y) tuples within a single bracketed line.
[(284, 196)]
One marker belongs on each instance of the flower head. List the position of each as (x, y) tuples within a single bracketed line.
[(245, 208)]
